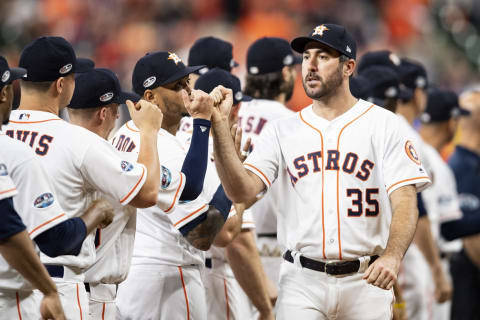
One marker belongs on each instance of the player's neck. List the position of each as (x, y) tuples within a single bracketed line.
[(332, 106), (171, 128), (282, 98), (39, 103)]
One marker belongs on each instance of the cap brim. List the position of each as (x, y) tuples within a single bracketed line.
[(246, 98), (235, 64), (17, 73), (124, 96), (181, 73), (83, 65), (298, 44), (464, 112)]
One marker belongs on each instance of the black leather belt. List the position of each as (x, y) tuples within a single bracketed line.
[(267, 235), (332, 268), (55, 270), (208, 263)]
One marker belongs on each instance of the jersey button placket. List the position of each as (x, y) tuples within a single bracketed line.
[(330, 196)]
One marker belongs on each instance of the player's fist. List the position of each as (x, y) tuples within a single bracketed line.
[(443, 289), (223, 99), (51, 308), (383, 272), (198, 104), (105, 212), (145, 115)]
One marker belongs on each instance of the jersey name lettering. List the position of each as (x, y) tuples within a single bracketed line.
[(124, 143), (40, 143)]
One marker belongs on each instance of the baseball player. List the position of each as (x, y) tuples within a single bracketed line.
[(94, 106), (350, 175), (439, 121), (465, 161), (234, 279), (78, 162), (167, 254)]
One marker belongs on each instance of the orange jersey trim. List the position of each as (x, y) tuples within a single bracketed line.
[(46, 222), (338, 182), (103, 311), (78, 302), (226, 298), (135, 187), (323, 179), (252, 166), (176, 194), (191, 214), (185, 292), (18, 306), (131, 129), (32, 122), (9, 190), (411, 179)]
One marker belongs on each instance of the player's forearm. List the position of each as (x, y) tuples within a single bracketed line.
[(19, 252), (233, 175), (404, 221), (148, 156), (231, 228), (245, 262), (426, 244)]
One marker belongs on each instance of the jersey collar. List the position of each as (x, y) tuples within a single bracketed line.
[(28, 116)]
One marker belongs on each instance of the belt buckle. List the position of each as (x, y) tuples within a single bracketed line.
[(325, 268)]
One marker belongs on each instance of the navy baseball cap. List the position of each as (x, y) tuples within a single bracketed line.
[(383, 58), (384, 83), (360, 87), (49, 58), (412, 74), (157, 69), (84, 65), (98, 87), (213, 53), (7, 74), (208, 81), (270, 54), (442, 105), (332, 35)]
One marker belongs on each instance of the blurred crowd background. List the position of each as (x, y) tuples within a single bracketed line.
[(442, 34)]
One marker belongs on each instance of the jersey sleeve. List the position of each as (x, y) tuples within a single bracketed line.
[(265, 158), (7, 188), (112, 172), (171, 187), (36, 202), (401, 163)]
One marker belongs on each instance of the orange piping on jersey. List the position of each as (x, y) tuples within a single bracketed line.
[(9, 190), (226, 298), (131, 129), (18, 306), (79, 306), (247, 164), (338, 182), (191, 214), (103, 311), (46, 222), (323, 170), (31, 122), (135, 187), (185, 292), (411, 179), (176, 194)]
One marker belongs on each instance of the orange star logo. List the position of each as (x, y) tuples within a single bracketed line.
[(174, 57), (319, 30)]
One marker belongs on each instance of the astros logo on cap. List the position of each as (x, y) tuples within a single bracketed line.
[(319, 30), (174, 57)]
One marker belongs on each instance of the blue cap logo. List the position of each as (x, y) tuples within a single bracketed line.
[(43, 201)]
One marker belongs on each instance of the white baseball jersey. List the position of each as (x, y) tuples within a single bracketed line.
[(114, 244), (252, 117), (157, 239), (79, 163), (441, 199), (336, 178), (36, 202)]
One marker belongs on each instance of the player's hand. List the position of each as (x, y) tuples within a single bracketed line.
[(383, 272), (443, 289), (198, 104), (145, 115), (223, 99), (105, 211), (267, 316), (272, 291), (236, 133), (51, 308)]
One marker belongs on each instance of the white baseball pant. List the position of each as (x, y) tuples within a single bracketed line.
[(19, 305), (101, 301)]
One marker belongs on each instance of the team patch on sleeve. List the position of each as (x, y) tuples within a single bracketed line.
[(126, 166), (411, 152), (3, 169), (166, 178), (44, 200)]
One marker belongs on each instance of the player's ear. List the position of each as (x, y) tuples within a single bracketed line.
[(4, 94), (349, 67), (149, 95), (102, 113), (59, 85)]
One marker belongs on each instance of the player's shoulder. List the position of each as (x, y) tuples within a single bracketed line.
[(15, 151)]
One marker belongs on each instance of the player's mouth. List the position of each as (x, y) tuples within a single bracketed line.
[(312, 79)]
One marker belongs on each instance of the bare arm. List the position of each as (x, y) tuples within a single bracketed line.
[(148, 118), (98, 215), (383, 272), (19, 252), (231, 228), (203, 235), (245, 262), (426, 244)]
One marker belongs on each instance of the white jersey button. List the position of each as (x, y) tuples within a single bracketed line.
[(332, 240)]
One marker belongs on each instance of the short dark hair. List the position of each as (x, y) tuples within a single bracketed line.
[(265, 86), (343, 58), (36, 86)]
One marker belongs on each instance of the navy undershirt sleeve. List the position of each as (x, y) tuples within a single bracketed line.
[(65, 238), (219, 201), (422, 211), (195, 163), (468, 225), (10, 221)]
